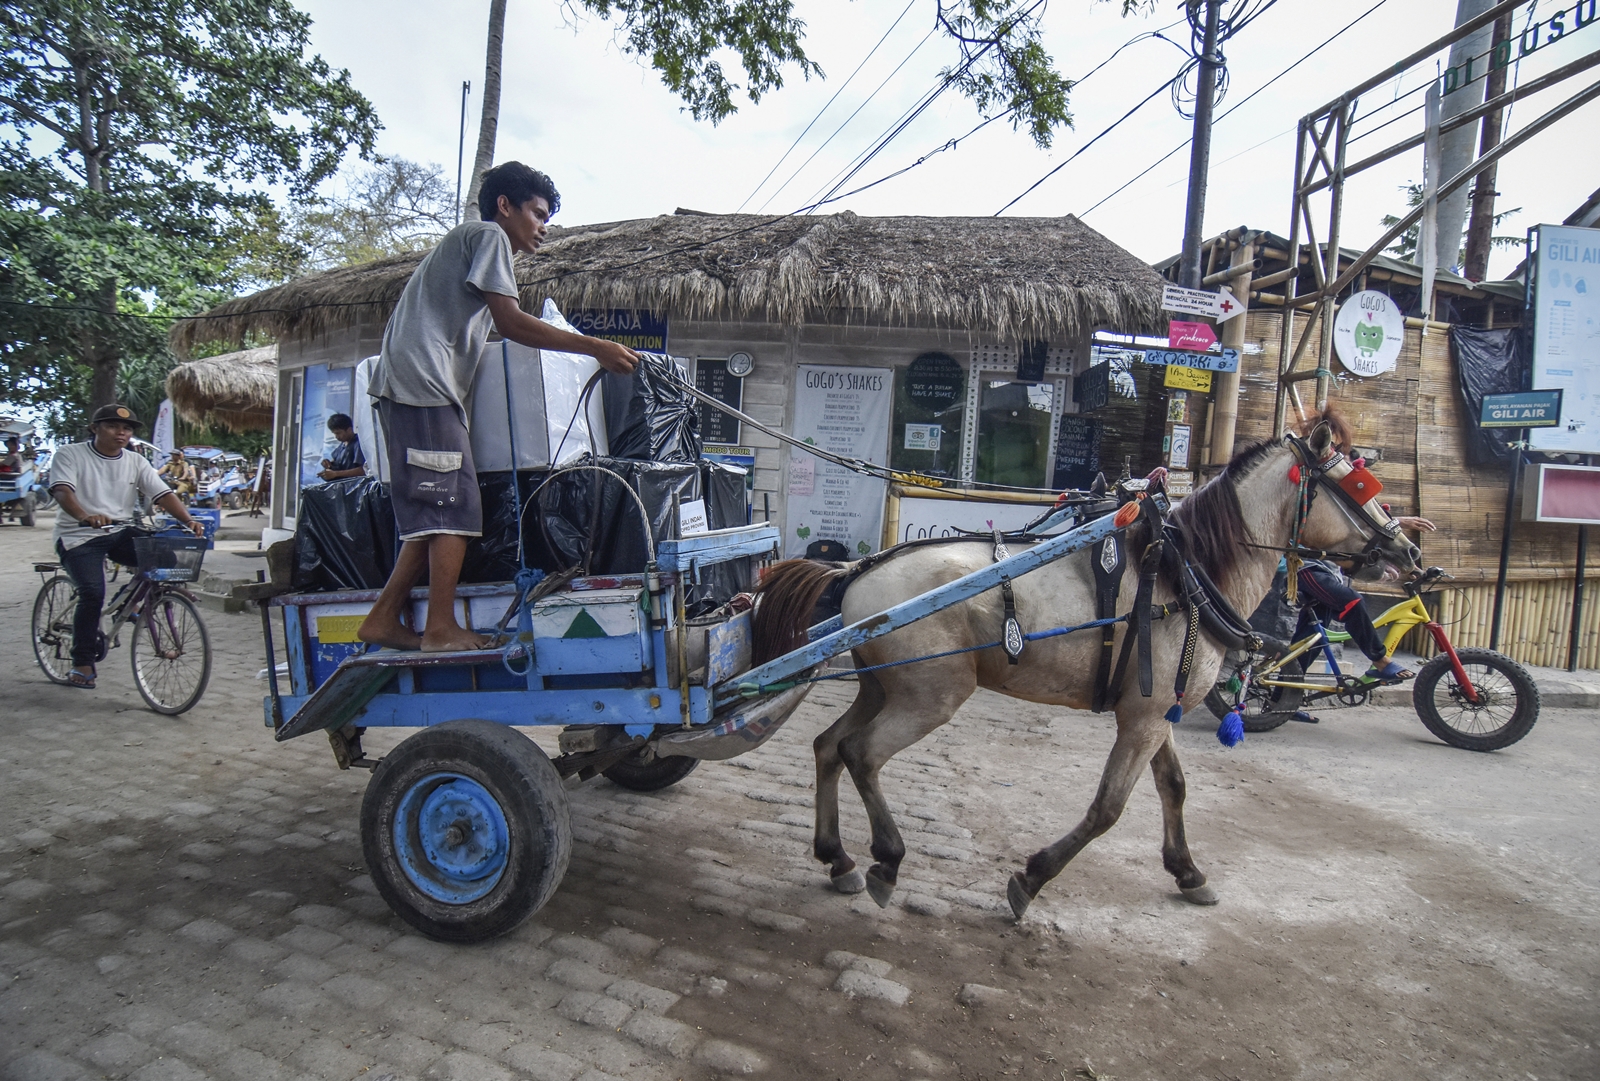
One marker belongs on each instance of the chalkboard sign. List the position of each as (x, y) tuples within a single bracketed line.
[(1092, 389), (934, 381), (711, 377), (1077, 451)]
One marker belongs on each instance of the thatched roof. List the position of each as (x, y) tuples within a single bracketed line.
[(235, 390), (1005, 278)]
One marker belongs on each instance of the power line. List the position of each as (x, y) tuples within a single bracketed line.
[(1153, 165), (826, 107)]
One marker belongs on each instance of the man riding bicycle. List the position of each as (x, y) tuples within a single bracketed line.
[(99, 486)]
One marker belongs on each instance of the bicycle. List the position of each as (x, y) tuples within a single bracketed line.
[(171, 650), (1475, 699)]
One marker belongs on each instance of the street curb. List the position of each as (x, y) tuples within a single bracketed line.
[(1553, 694)]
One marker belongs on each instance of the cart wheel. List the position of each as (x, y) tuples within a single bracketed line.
[(644, 772), (466, 830), (29, 504)]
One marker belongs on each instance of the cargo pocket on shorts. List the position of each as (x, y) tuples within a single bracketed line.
[(436, 477)]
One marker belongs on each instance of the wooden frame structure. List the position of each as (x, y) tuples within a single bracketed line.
[(1323, 140)]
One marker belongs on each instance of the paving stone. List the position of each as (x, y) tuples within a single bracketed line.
[(927, 905), (117, 1052), (859, 984), (977, 994), (167, 1069), (630, 943), (102, 923), (323, 1056), (642, 996), (324, 916), (718, 906), (465, 1066), (247, 1064), (583, 949), (607, 1013), (725, 1057), (776, 921), (576, 1003), (25, 889), (403, 1049), (41, 1066), (577, 974), (253, 951), (297, 966), (543, 1064), (292, 999), (209, 932), (845, 960), (196, 1042), (658, 1033), (945, 852), (309, 940), (685, 960), (358, 991)]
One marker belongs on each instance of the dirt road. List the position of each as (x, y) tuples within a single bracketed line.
[(182, 898)]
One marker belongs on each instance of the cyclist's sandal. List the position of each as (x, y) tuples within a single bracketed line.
[(1390, 673), (76, 678)]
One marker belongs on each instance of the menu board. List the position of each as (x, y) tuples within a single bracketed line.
[(846, 411), (1566, 336), (1077, 452), (712, 377)]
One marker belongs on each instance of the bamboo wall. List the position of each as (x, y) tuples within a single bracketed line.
[(1415, 416)]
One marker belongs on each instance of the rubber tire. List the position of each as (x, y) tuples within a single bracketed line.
[(530, 794), (644, 772), (38, 603), (1522, 684), (140, 645), (1219, 703), (29, 506)]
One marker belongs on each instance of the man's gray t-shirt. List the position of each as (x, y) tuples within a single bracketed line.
[(436, 334)]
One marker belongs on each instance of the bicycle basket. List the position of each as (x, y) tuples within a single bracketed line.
[(170, 559)]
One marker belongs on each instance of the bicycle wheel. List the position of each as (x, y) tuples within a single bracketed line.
[(53, 609), (1507, 706), (171, 653)]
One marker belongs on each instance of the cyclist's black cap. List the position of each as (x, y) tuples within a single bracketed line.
[(116, 411)]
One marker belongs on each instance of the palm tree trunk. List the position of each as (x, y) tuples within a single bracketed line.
[(490, 120)]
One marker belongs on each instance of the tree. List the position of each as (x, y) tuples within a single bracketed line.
[(1405, 245), (134, 141), (1002, 61), (392, 207)]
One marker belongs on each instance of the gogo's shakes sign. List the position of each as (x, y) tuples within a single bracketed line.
[(1368, 333)]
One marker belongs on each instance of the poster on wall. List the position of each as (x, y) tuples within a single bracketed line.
[(326, 393), (1566, 336), (847, 411)]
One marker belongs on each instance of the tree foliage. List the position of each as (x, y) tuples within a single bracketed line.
[(1405, 245), (135, 139)]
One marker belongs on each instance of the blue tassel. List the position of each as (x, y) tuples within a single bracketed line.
[(1231, 731), (1175, 714)]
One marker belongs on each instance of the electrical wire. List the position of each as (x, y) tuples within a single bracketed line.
[(1155, 164), (871, 53)]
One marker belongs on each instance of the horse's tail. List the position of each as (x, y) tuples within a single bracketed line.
[(788, 594)]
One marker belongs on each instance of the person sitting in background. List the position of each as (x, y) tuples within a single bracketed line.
[(179, 474), (11, 461), (347, 459)]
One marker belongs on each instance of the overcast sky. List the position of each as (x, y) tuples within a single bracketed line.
[(619, 145)]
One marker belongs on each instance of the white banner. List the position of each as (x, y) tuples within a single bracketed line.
[(847, 411), (1566, 336), (161, 431)]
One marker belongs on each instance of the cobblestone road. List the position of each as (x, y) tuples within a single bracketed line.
[(183, 898)]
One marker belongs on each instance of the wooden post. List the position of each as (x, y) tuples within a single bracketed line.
[(1224, 415), (1505, 540)]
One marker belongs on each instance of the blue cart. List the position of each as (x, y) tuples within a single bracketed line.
[(465, 824), (20, 493)]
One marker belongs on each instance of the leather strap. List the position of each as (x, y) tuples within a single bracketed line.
[(1011, 638), (1110, 562)]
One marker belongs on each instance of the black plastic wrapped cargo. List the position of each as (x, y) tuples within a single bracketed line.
[(726, 506), (1488, 362), (345, 536), (650, 417)]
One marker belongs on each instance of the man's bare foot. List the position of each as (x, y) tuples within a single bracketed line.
[(454, 639), (390, 635)]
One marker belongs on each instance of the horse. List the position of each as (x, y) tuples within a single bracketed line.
[(1235, 528)]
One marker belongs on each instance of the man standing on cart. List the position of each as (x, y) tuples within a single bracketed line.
[(423, 386)]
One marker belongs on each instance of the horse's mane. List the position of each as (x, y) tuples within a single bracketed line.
[(1211, 519)]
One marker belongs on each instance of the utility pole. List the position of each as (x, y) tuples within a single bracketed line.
[(461, 144), (1480, 226), (1200, 150)]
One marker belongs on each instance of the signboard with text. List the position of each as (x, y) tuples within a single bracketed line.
[(635, 329), (1225, 361), (1566, 336), (847, 411), (1525, 409), (713, 378)]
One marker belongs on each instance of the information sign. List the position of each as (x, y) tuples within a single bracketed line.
[(1225, 361), (1077, 452), (1221, 305), (847, 411), (1368, 333), (634, 329), (1180, 378), (712, 377), (1566, 336), (1525, 409), (1185, 335)]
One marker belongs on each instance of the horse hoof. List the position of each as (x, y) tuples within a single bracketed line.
[(1017, 894), (1199, 895), (879, 889), (852, 881)]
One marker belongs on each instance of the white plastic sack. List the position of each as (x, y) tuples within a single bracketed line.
[(365, 418), (572, 435)]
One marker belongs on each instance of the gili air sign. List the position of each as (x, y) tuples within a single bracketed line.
[(1368, 333)]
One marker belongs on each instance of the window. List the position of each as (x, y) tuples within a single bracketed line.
[(1015, 423), (929, 410)]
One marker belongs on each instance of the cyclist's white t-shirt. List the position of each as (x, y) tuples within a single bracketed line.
[(115, 487)]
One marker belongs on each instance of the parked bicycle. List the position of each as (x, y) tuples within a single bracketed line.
[(1475, 699), (170, 651)]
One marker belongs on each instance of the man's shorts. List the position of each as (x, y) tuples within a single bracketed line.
[(433, 483)]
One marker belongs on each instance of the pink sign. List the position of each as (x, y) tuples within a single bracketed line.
[(1181, 335)]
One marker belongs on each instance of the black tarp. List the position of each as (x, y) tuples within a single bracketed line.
[(345, 536), (649, 416), (726, 507), (1488, 362)]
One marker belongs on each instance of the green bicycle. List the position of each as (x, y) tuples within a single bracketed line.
[(1475, 699)]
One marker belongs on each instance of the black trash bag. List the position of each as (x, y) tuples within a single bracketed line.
[(570, 525), (345, 536), (726, 507), (649, 416), (493, 556), (1488, 362)]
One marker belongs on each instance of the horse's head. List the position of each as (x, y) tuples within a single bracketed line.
[(1344, 517)]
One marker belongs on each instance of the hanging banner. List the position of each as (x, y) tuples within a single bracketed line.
[(1566, 336), (161, 431), (846, 411)]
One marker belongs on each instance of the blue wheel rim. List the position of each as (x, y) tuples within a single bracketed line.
[(450, 838)]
